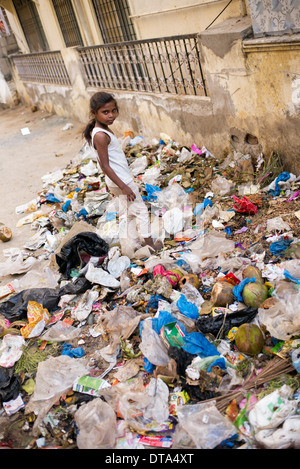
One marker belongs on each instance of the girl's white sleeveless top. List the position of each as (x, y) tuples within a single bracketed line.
[(116, 156)]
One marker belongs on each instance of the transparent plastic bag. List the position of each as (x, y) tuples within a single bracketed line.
[(97, 425), (282, 320), (205, 424)]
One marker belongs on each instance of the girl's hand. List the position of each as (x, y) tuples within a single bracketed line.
[(129, 193)]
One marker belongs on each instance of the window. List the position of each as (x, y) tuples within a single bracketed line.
[(114, 21), (67, 22), (31, 25)]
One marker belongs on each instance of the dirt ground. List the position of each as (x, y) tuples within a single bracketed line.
[(26, 158)]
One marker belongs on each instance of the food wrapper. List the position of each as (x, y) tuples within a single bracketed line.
[(37, 317)]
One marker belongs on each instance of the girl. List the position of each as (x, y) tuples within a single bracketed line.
[(118, 177)]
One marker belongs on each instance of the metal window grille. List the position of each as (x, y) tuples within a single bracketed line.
[(46, 67), (31, 25), (114, 21), (67, 22), (163, 65)]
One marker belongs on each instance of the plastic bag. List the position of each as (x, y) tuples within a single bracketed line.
[(99, 417), (10, 384), (205, 424), (11, 350), (117, 263), (277, 224), (15, 308), (100, 276), (139, 165), (37, 276), (222, 186), (286, 437), (219, 324), (87, 242), (173, 220), (273, 409), (152, 345), (16, 264), (244, 205), (282, 320)]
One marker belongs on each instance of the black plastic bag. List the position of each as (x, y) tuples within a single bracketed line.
[(10, 384), (15, 308), (221, 325), (86, 242)]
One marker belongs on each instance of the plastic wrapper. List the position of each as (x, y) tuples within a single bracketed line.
[(37, 317)]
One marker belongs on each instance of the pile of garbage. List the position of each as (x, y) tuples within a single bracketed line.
[(196, 346)]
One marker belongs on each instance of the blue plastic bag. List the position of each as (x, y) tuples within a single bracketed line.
[(197, 344), (72, 352), (187, 308), (282, 177), (238, 289), (279, 246), (150, 189)]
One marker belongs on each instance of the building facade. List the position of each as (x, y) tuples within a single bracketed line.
[(210, 72)]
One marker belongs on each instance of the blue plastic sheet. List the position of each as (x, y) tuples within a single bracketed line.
[(238, 289)]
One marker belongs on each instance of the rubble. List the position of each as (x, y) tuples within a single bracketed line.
[(103, 347)]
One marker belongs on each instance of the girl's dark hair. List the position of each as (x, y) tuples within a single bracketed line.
[(96, 102)]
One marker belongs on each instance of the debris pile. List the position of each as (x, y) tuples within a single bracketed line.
[(195, 346)]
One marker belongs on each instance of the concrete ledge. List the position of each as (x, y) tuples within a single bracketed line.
[(272, 43), (220, 38)]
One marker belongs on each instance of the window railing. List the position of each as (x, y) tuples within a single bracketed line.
[(163, 65), (42, 67)]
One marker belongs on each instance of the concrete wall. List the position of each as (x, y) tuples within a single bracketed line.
[(170, 17)]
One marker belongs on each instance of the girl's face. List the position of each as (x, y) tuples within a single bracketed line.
[(107, 114)]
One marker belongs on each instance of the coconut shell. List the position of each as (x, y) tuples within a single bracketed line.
[(254, 294), (221, 294), (189, 278), (251, 271), (249, 339), (5, 234)]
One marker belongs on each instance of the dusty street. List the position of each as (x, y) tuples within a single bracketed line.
[(26, 158)]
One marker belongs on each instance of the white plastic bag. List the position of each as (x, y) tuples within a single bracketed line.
[(100, 276), (273, 409)]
